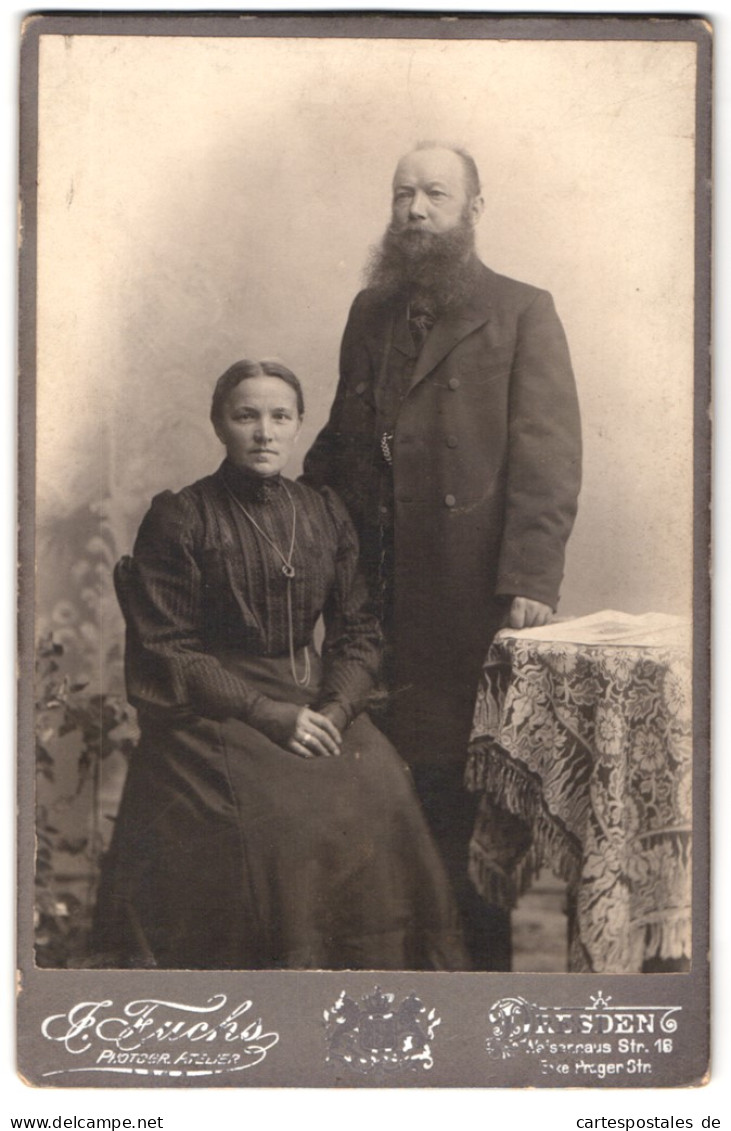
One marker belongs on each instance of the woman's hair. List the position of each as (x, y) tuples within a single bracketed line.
[(240, 371)]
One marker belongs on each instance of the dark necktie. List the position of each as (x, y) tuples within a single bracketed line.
[(421, 320)]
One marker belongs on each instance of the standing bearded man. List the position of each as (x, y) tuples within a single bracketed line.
[(454, 441)]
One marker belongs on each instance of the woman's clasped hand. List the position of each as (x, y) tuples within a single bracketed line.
[(315, 736)]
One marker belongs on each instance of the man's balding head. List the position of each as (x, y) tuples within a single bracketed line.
[(471, 174), (436, 188)]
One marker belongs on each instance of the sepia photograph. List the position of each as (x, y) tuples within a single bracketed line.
[(364, 541)]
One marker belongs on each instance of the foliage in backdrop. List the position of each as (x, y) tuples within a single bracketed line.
[(85, 730)]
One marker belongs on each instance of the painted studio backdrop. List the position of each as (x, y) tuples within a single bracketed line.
[(203, 199)]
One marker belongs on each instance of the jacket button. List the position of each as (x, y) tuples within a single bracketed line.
[(449, 501), (361, 387), (451, 441), (453, 383)]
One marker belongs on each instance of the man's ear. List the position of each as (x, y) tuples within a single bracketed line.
[(476, 208)]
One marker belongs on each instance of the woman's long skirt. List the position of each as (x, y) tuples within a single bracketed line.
[(230, 852)]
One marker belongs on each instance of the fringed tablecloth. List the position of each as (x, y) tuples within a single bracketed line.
[(581, 746)]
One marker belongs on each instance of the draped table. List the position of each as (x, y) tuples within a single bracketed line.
[(581, 750)]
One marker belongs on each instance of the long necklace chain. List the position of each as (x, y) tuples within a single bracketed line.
[(289, 571), (287, 567)]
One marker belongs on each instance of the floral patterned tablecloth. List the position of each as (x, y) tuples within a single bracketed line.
[(582, 752)]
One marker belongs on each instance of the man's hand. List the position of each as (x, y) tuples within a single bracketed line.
[(315, 735), (525, 613)]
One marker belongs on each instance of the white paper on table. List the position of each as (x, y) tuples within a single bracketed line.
[(611, 627)]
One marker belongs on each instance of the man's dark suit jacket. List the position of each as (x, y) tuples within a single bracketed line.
[(486, 472)]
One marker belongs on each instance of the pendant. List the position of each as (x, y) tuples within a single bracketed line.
[(288, 570)]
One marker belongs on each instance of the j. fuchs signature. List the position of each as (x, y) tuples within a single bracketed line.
[(147, 1021)]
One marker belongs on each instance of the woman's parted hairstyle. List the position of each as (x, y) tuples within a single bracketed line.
[(240, 371)]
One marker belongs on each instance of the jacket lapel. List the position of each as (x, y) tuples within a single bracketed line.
[(451, 328), (388, 330)]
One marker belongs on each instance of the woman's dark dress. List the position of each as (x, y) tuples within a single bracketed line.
[(229, 851)]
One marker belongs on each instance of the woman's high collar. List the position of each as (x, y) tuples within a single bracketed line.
[(249, 487)]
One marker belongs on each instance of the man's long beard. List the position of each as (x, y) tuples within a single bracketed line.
[(410, 263)]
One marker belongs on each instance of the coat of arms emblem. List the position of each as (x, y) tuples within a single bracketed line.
[(376, 1034)]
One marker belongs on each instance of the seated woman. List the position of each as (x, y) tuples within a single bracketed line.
[(265, 822)]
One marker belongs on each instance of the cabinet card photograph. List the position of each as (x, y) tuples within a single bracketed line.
[(364, 465)]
